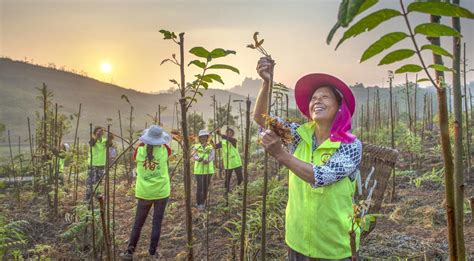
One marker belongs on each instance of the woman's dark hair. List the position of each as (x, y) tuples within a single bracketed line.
[(149, 152), (93, 141)]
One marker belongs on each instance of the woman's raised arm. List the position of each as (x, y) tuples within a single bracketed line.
[(264, 69)]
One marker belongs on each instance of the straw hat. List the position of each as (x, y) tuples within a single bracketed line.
[(155, 135)]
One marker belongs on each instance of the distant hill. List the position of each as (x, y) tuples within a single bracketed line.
[(103, 100), (251, 87), (99, 100), (248, 87)]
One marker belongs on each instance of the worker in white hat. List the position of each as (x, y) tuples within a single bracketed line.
[(152, 187)]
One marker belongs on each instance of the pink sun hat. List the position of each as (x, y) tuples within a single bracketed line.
[(307, 84)]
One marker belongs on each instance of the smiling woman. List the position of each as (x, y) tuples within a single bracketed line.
[(323, 160), (106, 67)]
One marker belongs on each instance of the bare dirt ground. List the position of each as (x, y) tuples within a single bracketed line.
[(412, 227)]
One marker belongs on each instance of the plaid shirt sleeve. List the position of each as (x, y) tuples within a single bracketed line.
[(344, 162)]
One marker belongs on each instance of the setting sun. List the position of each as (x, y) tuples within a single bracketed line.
[(106, 68)]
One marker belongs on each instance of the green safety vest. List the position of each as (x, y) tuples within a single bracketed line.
[(232, 158), (98, 153), (317, 219), (61, 164), (203, 153), (153, 181)]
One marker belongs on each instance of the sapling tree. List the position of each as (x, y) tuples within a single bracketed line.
[(129, 167), (246, 174), (466, 108), (78, 116), (257, 45), (188, 95), (433, 30)]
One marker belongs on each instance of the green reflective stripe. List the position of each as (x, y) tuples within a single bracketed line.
[(98, 153), (153, 180), (203, 153), (230, 155), (317, 219)]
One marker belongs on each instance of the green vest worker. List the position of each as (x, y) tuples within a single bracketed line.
[(62, 160), (96, 161), (323, 161), (152, 187), (203, 155), (230, 157)]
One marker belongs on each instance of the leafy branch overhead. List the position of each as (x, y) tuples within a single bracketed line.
[(204, 78), (350, 9)]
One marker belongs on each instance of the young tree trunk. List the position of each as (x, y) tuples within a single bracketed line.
[(12, 170), (186, 154), (424, 119), (471, 201), (56, 161), (125, 159), (241, 127), (76, 170), (415, 119), (362, 123), (466, 108), (447, 154), (458, 146), (113, 211), (410, 123), (246, 162), (44, 92), (32, 155), (472, 109), (352, 237), (159, 114), (367, 123), (431, 112), (227, 156), (107, 185), (450, 101), (130, 159), (392, 136), (75, 144), (94, 252), (104, 228), (265, 178)]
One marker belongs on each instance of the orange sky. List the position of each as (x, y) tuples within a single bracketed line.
[(83, 34)]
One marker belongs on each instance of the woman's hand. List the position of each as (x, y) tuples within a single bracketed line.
[(272, 143), (205, 161), (265, 68)]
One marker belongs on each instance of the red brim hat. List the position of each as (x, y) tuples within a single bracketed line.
[(307, 84)]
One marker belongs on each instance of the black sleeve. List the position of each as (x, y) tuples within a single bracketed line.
[(233, 141)]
